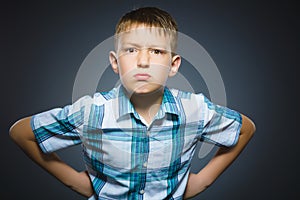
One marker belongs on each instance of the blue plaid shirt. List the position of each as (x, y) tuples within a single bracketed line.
[(127, 158)]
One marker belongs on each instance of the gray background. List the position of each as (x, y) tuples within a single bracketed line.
[(255, 45)]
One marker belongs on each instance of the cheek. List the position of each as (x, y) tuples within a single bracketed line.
[(160, 73), (125, 65)]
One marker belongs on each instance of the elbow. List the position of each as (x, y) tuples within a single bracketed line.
[(252, 128), (13, 131), (19, 130), (248, 127)]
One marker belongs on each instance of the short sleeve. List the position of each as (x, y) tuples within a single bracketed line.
[(57, 128), (221, 125)]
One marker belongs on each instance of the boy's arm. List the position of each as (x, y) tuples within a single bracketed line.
[(223, 158), (23, 136)]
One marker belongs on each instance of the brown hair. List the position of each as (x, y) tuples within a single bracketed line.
[(152, 17)]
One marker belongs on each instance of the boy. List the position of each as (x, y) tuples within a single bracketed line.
[(139, 138)]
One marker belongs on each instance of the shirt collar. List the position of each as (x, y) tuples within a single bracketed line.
[(168, 104), (125, 106)]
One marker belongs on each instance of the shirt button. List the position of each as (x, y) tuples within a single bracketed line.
[(145, 164), (148, 133), (142, 191)]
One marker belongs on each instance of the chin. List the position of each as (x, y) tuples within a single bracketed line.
[(144, 89), (148, 89)]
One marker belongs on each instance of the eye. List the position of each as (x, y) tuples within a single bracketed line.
[(156, 51), (130, 50)]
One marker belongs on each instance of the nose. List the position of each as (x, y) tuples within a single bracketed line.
[(143, 59)]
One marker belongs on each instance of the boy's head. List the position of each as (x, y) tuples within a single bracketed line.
[(149, 17), (145, 42)]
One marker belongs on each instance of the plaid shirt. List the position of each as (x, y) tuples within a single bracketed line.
[(125, 157)]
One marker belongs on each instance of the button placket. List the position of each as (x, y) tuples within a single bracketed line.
[(145, 164), (142, 191), (144, 158)]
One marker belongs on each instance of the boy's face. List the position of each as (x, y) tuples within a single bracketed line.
[(143, 59)]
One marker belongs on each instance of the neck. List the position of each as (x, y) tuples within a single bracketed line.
[(147, 105)]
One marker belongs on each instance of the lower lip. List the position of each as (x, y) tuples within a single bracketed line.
[(142, 77)]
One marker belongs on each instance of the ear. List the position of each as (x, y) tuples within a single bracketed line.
[(176, 61), (113, 61)]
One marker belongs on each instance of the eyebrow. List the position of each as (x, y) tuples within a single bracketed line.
[(148, 46)]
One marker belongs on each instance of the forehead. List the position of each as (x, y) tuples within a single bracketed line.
[(145, 36)]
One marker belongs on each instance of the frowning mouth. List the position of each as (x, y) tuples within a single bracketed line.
[(142, 77)]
